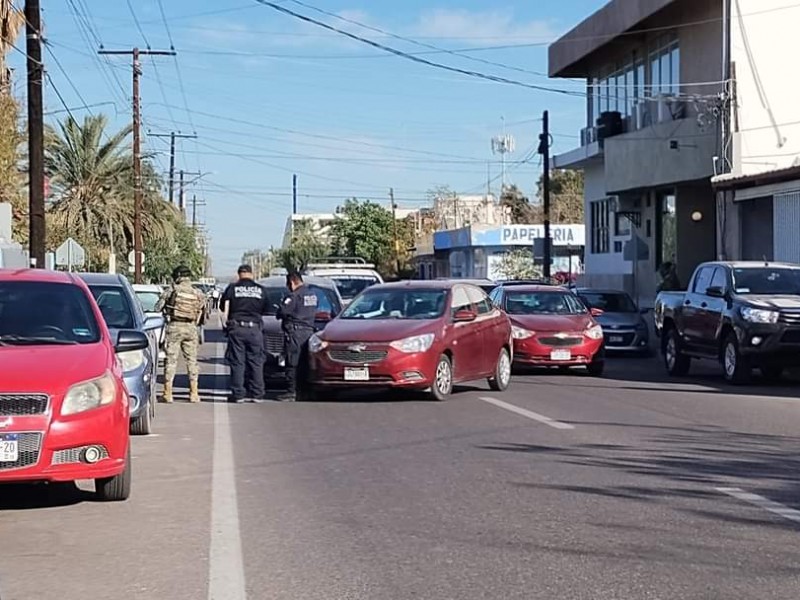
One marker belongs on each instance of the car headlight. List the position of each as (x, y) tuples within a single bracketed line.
[(518, 333), (417, 343), (759, 315), (316, 344), (89, 394), (595, 332), (130, 361)]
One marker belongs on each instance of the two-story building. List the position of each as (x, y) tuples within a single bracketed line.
[(679, 92)]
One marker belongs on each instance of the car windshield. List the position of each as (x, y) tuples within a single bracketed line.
[(766, 280), (45, 313), (114, 305), (351, 286), (398, 304), (326, 299), (543, 303), (612, 302), (148, 300)]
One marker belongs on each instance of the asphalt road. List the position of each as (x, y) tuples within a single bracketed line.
[(564, 487)]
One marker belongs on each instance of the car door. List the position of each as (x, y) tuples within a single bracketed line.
[(466, 343), (693, 305), (711, 310), (483, 323)]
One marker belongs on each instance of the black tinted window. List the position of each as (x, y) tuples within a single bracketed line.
[(703, 280), (766, 280), (114, 305), (48, 312), (398, 304), (609, 302), (543, 303)]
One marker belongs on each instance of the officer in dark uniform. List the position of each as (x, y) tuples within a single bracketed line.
[(297, 313), (243, 305)]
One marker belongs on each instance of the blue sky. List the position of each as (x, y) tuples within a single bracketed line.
[(270, 96)]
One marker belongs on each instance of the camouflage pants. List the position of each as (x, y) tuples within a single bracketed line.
[(181, 338)]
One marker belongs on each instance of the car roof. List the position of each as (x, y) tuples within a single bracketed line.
[(419, 284), (470, 281), (539, 288), (280, 281), (750, 264), (599, 291), (37, 275), (102, 279)]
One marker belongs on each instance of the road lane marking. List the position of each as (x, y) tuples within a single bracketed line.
[(528, 414), (226, 580), (761, 502)]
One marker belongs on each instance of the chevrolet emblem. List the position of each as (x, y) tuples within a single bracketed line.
[(562, 336), (357, 348)]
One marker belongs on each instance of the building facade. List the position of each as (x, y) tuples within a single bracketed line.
[(679, 92)]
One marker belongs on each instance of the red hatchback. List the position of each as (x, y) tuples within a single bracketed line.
[(64, 410), (552, 328), (414, 335)]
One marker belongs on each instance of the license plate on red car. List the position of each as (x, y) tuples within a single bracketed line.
[(356, 374), (561, 355), (9, 448)]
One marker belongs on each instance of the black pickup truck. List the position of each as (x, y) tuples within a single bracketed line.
[(746, 315)]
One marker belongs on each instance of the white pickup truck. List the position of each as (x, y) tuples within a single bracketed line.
[(351, 275)]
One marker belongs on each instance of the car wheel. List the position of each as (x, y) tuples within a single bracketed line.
[(143, 424), (443, 379), (772, 373), (596, 368), (117, 488), (502, 372), (736, 367), (676, 362)]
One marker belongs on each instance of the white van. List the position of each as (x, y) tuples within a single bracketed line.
[(351, 275)]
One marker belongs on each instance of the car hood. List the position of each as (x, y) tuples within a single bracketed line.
[(611, 319), (552, 323), (51, 369), (785, 301), (377, 330)]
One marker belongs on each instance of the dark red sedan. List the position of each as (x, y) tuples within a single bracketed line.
[(552, 328), (415, 335)]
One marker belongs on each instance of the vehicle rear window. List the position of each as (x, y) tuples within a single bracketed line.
[(766, 280), (351, 286), (45, 313), (114, 305), (609, 302), (148, 300), (398, 304), (543, 303)]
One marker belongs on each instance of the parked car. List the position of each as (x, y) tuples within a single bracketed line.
[(624, 327), (329, 304), (148, 296), (351, 275), (552, 327), (419, 335), (122, 311), (64, 408), (746, 315)]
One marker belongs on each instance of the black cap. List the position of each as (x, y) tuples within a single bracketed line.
[(245, 269), (181, 271)]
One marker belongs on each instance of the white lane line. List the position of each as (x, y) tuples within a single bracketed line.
[(528, 414), (226, 579), (769, 505)]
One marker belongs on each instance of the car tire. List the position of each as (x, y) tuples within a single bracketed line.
[(442, 385), (596, 368), (675, 361), (502, 372), (143, 424), (736, 367), (772, 373), (117, 488)]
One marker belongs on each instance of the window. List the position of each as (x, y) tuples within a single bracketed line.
[(664, 62), (495, 297), (614, 302), (460, 300), (720, 279), (350, 286), (622, 226), (544, 303), (114, 305), (479, 300), (667, 225), (703, 280), (148, 300), (419, 304), (601, 226)]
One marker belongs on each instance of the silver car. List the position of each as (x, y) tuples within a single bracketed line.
[(624, 326), (122, 311)]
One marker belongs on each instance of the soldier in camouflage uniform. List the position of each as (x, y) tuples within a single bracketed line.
[(184, 308)]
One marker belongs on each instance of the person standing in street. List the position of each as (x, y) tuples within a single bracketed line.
[(297, 314), (243, 305), (215, 294), (184, 309)]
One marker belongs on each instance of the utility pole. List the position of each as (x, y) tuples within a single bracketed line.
[(36, 219), (294, 194), (544, 150), (137, 151), (394, 230), (182, 190), (195, 204), (172, 137)]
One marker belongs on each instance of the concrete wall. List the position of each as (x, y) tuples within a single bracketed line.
[(771, 27)]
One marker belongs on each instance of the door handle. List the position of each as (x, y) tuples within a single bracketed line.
[(704, 305), (687, 303)]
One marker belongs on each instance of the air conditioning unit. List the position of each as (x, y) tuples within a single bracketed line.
[(643, 114)]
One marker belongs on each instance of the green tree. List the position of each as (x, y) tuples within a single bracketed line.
[(305, 246), (162, 255), (518, 264), (518, 205), (566, 197), (365, 230)]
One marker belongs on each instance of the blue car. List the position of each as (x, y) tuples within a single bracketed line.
[(123, 311)]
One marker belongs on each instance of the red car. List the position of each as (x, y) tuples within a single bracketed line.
[(64, 410), (552, 328), (414, 335)]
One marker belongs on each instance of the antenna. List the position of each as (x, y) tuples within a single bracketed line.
[(502, 145)]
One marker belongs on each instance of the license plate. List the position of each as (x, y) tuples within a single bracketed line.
[(561, 355), (615, 339), (9, 448), (351, 374)]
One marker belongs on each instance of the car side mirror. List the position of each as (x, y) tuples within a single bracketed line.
[(596, 312), (153, 323), (129, 340), (715, 292), (465, 316)]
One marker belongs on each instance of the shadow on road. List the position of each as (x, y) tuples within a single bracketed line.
[(25, 497)]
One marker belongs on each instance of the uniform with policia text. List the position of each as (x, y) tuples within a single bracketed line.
[(247, 302), (297, 314)]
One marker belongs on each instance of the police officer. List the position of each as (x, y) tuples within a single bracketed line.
[(297, 313), (243, 304)]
